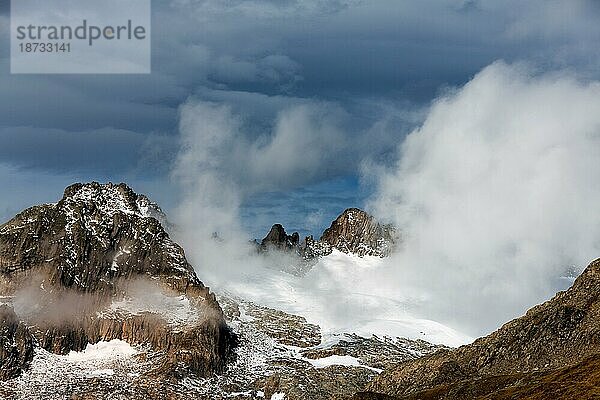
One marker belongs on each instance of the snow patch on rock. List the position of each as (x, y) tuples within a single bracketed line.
[(102, 350)]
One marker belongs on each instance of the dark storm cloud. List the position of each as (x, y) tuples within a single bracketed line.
[(306, 48), (4, 7), (105, 151), (373, 59)]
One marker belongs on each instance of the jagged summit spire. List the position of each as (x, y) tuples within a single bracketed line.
[(277, 237), (354, 231)]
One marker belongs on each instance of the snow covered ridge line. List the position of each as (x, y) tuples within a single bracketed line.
[(112, 198)]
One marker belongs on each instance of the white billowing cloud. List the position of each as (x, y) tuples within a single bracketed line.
[(306, 140), (258, 143), (211, 197), (219, 164), (230, 151), (497, 195)]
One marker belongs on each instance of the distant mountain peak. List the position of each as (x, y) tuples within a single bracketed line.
[(354, 232), (278, 238)]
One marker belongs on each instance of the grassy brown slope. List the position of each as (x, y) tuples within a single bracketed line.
[(580, 381), (564, 331)]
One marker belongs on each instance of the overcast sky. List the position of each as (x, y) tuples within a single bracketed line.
[(317, 89)]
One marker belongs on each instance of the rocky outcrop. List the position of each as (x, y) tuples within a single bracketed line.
[(354, 231), (579, 381), (357, 232), (67, 264), (377, 352), (16, 344), (277, 238), (561, 332)]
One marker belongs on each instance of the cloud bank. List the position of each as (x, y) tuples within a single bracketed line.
[(348, 52), (231, 152), (496, 195)]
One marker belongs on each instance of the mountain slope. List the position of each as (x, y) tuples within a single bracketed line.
[(16, 344), (98, 266), (558, 337)]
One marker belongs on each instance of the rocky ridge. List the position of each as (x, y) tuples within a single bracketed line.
[(283, 355), (279, 354), (73, 271), (557, 337), (354, 231)]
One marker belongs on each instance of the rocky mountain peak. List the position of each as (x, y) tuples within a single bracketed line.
[(278, 238), (98, 265), (355, 231), (111, 198), (94, 236)]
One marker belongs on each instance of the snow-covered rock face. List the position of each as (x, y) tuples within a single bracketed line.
[(109, 199), (283, 355), (95, 235), (353, 232), (72, 265), (357, 232)]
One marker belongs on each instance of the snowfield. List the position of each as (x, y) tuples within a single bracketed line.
[(109, 365), (102, 351), (341, 294)]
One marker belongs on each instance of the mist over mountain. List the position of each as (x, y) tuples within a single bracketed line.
[(322, 200), (95, 292)]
